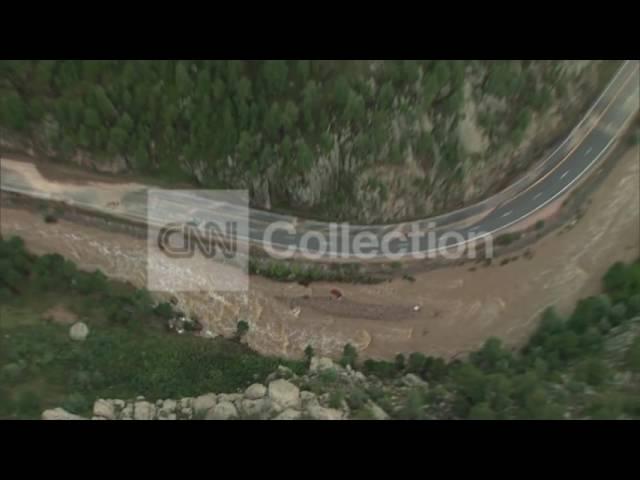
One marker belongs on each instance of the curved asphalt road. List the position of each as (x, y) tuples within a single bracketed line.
[(610, 115)]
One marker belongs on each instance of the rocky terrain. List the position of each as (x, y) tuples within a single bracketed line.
[(286, 396)]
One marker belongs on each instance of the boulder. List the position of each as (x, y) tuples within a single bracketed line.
[(255, 391), (202, 404), (169, 405), (222, 411), (307, 399), (60, 414), (285, 372), (358, 376), (412, 380), (316, 412), (284, 393), (79, 331), (289, 414), (254, 408), (144, 411), (321, 363), (376, 412), (229, 397), (127, 412), (105, 409)]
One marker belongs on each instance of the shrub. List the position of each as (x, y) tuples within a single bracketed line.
[(308, 353), (413, 406), (241, 329), (594, 372), (164, 310), (349, 356), (328, 376), (618, 313), (77, 403), (357, 399), (335, 399), (28, 405), (379, 368), (482, 411), (400, 362), (417, 363)]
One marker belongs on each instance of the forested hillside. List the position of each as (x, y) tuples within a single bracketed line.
[(358, 140)]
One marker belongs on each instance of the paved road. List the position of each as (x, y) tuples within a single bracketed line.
[(610, 115)]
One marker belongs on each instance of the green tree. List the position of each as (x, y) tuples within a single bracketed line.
[(400, 362), (241, 329), (13, 111), (349, 355), (308, 353), (275, 75), (417, 363), (482, 411)]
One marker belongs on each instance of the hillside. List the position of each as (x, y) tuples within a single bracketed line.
[(364, 141)]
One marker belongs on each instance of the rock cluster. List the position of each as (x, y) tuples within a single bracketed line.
[(284, 397)]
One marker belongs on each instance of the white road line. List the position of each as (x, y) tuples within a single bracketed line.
[(537, 195), (564, 174), (588, 150), (508, 213)]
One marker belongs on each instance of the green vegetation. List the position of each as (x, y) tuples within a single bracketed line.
[(242, 124), (567, 369), (127, 351), (296, 272), (241, 329), (349, 356)]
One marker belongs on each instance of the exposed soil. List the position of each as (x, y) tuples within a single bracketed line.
[(60, 315), (458, 308)]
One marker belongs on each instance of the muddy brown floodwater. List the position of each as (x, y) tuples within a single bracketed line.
[(457, 309)]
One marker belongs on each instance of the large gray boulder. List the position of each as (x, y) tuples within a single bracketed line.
[(412, 380), (376, 412), (203, 404), (316, 412), (105, 409), (127, 412), (222, 411), (255, 391), (79, 331), (144, 411), (284, 393), (289, 414), (254, 408), (169, 405), (308, 399), (229, 397)]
